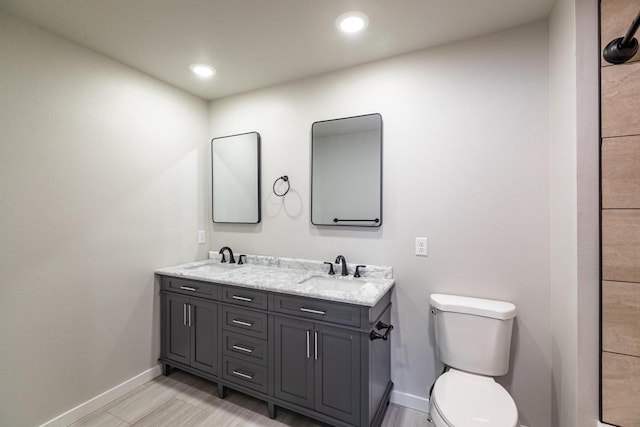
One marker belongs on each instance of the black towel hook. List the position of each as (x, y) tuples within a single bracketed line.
[(284, 178), (622, 49)]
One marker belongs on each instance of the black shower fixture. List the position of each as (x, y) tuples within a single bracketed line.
[(622, 49)]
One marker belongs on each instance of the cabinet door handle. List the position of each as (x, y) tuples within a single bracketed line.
[(189, 308), (188, 288), (245, 349), (309, 310), (242, 323), (239, 298), (184, 314), (240, 374), (308, 339), (315, 341)]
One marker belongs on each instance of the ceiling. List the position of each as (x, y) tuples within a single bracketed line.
[(258, 43)]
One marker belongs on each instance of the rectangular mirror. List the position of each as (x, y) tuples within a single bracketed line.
[(346, 171), (235, 178)]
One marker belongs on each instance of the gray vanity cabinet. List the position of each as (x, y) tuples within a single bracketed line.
[(324, 359), (191, 332), (318, 367)]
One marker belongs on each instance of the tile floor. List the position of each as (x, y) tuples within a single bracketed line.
[(182, 399)]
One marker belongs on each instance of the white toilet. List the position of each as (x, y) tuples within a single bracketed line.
[(473, 339)]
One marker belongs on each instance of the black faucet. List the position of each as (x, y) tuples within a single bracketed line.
[(232, 260), (340, 260)]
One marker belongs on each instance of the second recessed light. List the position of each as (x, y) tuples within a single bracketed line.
[(202, 70), (352, 22)]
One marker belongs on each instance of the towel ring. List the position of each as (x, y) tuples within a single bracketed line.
[(284, 178)]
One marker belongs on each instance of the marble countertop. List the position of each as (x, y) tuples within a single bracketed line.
[(307, 278)]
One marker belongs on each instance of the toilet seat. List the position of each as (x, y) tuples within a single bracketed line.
[(462, 399)]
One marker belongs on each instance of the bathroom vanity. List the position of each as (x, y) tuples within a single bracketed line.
[(283, 331)]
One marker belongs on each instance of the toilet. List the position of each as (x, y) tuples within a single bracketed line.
[(473, 340)]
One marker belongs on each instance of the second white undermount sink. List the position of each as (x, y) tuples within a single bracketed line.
[(334, 283)]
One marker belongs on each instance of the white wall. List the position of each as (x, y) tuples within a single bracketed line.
[(588, 210), (574, 154), (466, 164), (563, 187), (102, 176)]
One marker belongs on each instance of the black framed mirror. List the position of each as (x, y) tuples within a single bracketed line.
[(346, 171), (235, 178)]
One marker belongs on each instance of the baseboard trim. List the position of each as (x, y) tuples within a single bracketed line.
[(601, 424), (410, 401), (84, 409)]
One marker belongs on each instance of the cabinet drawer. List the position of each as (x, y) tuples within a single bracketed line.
[(244, 373), (245, 347), (318, 309), (244, 321), (190, 287), (246, 297)]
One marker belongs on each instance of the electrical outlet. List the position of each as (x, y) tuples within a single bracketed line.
[(201, 236), (421, 246)]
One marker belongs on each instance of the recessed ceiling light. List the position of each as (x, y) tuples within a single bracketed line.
[(352, 22), (202, 70)]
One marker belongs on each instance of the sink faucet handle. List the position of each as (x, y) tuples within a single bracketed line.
[(331, 272), (240, 259), (357, 273)]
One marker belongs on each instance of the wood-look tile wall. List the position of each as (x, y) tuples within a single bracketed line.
[(621, 318), (620, 184), (620, 172), (620, 99), (621, 245), (612, 21), (621, 380)]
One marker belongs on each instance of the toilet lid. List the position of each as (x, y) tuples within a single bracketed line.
[(469, 400)]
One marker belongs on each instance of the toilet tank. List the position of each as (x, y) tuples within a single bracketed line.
[(473, 334)]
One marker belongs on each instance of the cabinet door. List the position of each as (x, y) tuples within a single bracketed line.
[(176, 328), (204, 336), (294, 358), (337, 373)]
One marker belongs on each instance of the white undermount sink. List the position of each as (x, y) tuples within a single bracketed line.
[(214, 268), (334, 283)]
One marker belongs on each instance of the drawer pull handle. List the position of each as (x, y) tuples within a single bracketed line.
[(242, 323), (188, 288), (308, 352), (240, 374), (245, 349), (309, 310), (239, 298)]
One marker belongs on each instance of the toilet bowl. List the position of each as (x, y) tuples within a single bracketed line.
[(462, 399)]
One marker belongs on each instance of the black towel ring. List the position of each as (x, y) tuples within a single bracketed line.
[(285, 178)]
